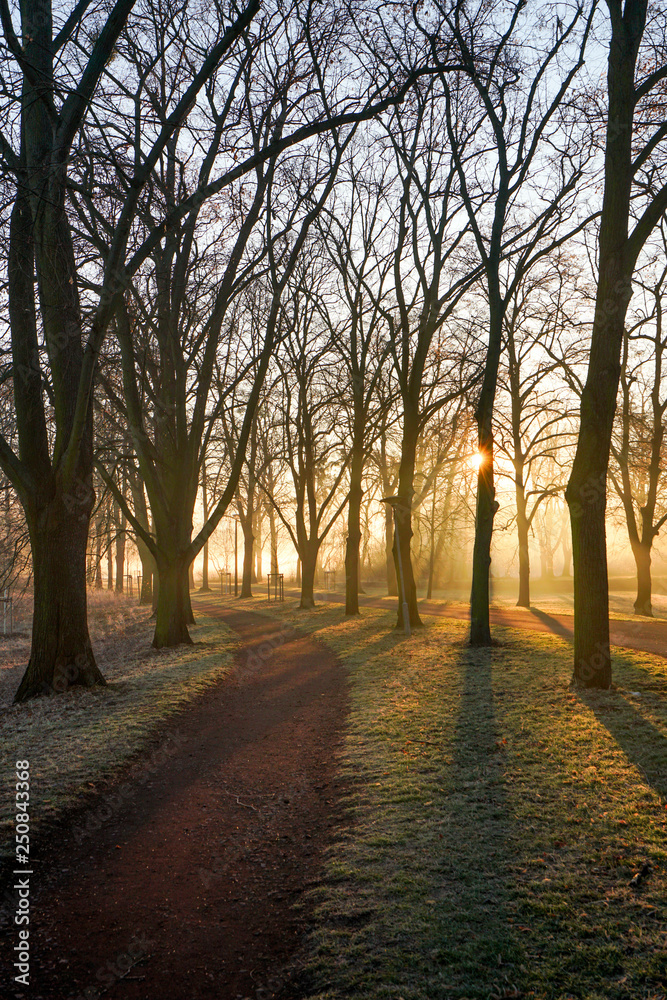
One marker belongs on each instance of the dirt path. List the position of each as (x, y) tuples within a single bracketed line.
[(187, 890), (644, 634)]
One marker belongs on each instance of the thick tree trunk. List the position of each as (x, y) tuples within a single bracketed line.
[(480, 594), (257, 566), (205, 588), (487, 506), (120, 552), (392, 584), (591, 593), (404, 515), (643, 603), (174, 611), (431, 557), (98, 554), (148, 571), (524, 552), (308, 571), (61, 654), (587, 488), (353, 532), (408, 589), (274, 540), (248, 542), (109, 558), (173, 531)]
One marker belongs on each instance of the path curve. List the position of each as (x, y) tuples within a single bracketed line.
[(188, 891)]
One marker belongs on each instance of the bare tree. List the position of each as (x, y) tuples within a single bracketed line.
[(537, 424), (638, 445), (52, 472), (309, 405), (633, 185), (504, 109), (352, 235)]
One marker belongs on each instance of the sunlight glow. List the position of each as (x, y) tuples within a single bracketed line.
[(475, 460)]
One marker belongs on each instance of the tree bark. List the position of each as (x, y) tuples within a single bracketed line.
[(274, 540), (586, 492), (98, 553), (205, 588), (406, 475), (109, 556), (392, 584), (120, 552), (257, 570), (643, 602), (61, 654), (248, 542), (174, 612), (308, 571), (431, 557), (487, 506), (353, 541)]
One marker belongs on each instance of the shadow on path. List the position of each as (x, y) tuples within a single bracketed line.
[(553, 624)]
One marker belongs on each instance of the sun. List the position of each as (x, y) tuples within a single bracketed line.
[(476, 460)]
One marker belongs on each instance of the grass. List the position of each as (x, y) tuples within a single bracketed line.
[(85, 736), (497, 819)]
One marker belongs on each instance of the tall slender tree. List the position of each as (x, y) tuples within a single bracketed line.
[(634, 140)]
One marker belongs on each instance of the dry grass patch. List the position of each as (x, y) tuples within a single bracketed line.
[(498, 820)]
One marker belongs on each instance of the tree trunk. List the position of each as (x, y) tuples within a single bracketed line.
[(120, 552), (308, 571), (148, 565), (109, 557), (353, 532), (591, 593), (404, 515), (480, 594), (586, 490), (148, 572), (487, 506), (392, 583), (174, 611), (61, 654), (274, 540), (524, 559), (248, 542), (98, 554), (258, 549), (205, 588), (431, 557), (643, 603)]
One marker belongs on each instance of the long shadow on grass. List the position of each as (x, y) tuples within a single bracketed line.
[(478, 945), (641, 741), (553, 624)]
